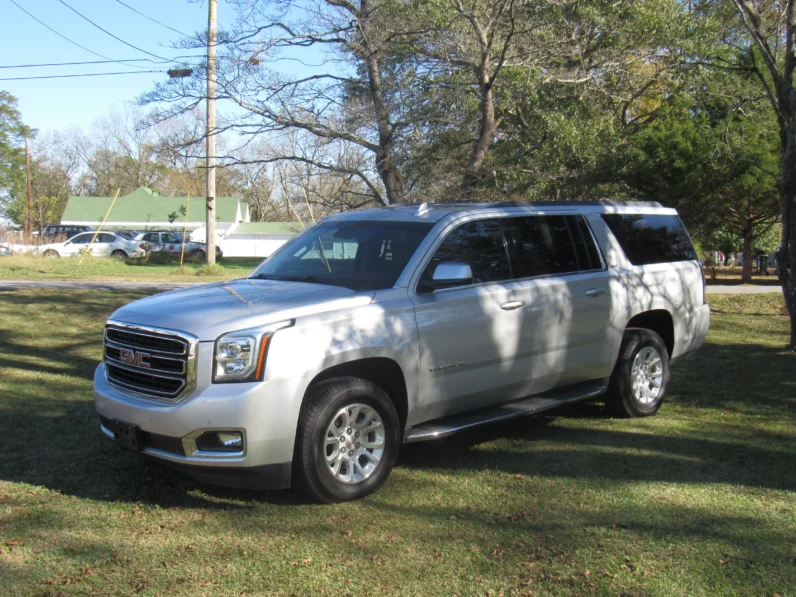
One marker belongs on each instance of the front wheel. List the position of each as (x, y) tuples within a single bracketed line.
[(51, 253), (347, 440), (199, 255), (638, 383)]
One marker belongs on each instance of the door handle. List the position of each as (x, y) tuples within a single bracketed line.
[(511, 305), (595, 292)]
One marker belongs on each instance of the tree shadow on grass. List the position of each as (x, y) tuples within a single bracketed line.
[(531, 447)]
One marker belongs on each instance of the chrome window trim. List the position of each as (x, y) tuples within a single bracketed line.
[(453, 224), (191, 351)]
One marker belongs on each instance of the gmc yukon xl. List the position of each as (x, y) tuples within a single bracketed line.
[(402, 324)]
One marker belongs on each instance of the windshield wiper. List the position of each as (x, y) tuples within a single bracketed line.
[(308, 278), (311, 279), (323, 255)]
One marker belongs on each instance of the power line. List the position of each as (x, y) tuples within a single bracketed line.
[(151, 19), (82, 16), (129, 72), (61, 35), (178, 58)]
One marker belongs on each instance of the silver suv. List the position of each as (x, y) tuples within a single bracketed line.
[(403, 324)]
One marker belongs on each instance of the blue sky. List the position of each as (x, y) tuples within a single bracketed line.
[(55, 104)]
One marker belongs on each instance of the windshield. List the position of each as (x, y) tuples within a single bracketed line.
[(361, 255)]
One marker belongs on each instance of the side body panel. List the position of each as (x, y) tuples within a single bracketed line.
[(571, 341), (474, 350), (672, 287)]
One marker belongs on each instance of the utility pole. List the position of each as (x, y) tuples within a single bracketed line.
[(29, 223), (210, 223)]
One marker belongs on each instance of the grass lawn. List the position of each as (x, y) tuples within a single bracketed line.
[(699, 500), (28, 267)]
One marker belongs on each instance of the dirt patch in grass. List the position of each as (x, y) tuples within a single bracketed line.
[(699, 500)]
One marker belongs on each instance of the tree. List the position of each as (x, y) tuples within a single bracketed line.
[(523, 99), (767, 40), (360, 106), (717, 166), (12, 159)]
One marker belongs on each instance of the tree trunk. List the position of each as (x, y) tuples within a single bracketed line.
[(787, 254), (386, 163), (489, 126), (746, 268)]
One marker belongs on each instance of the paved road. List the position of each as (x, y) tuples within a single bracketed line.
[(162, 286)]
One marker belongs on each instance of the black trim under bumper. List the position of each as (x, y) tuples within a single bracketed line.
[(267, 477)]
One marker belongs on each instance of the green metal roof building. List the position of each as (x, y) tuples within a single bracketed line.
[(146, 209)]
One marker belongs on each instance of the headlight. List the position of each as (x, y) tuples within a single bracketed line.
[(240, 356)]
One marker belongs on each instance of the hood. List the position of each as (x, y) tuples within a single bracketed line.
[(213, 309)]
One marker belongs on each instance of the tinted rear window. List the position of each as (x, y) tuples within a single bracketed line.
[(647, 238)]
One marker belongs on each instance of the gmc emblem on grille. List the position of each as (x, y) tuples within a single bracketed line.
[(133, 357)]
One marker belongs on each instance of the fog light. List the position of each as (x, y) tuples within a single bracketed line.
[(218, 441), (230, 439)]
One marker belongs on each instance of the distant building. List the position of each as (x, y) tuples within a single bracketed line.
[(145, 209), (252, 239)]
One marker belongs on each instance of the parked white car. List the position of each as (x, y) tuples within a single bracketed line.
[(107, 244)]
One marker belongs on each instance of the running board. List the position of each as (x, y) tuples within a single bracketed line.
[(525, 406)]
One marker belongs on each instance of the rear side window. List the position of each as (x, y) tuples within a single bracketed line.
[(105, 238), (478, 243), (649, 238), (550, 245)]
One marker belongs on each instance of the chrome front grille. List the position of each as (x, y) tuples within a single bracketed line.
[(151, 362)]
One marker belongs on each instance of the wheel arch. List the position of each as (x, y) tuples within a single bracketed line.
[(659, 321), (382, 371)]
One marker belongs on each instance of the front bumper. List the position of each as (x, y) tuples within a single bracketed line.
[(266, 413)]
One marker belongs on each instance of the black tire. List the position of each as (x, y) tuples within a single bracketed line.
[(51, 253), (199, 255), (620, 397), (119, 254), (311, 474)]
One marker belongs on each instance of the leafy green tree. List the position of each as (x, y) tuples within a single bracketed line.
[(12, 159), (762, 33), (717, 164)]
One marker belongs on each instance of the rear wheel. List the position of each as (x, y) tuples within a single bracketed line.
[(347, 440), (638, 383), (51, 253), (119, 254)]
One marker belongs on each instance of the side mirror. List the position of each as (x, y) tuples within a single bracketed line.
[(449, 274)]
